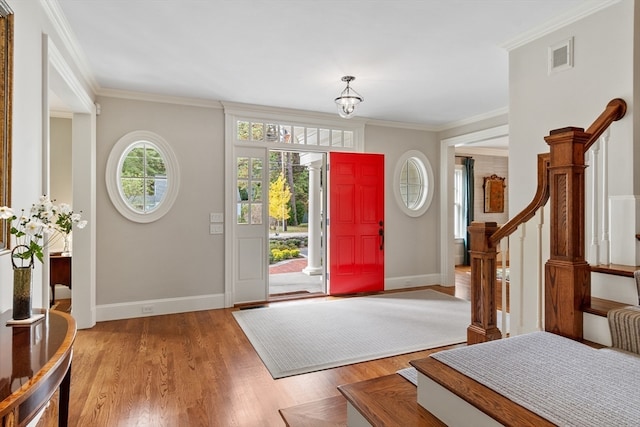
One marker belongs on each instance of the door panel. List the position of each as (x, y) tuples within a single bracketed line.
[(356, 218), (250, 226)]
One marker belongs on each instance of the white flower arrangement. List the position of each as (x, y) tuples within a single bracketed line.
[(44, 219)]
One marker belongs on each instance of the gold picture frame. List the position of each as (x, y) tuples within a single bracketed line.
[(494, 194), (6, 97)]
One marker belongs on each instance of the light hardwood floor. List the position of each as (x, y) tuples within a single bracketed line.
[(194, 369)]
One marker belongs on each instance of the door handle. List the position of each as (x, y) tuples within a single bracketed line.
[(381, 234)]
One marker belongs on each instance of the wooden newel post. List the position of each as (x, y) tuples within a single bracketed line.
[(483, 284), (567, 273)]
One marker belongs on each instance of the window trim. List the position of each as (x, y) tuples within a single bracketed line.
[(428, 189), (112, 176), (459, 224)]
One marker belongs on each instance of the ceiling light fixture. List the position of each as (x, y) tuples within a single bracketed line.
[(348, 99)]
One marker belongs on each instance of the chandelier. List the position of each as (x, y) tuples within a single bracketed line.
[(348, 99)]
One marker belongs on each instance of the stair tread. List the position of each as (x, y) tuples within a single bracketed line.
[(600, 306), (388, 400), (487, 400), (329, 412), (615, 269)]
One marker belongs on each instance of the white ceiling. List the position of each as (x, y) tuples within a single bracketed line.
[(430, 62)]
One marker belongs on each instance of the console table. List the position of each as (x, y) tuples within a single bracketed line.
[(35, 361), (59, 272)]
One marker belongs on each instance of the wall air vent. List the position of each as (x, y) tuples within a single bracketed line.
[(561, 56)]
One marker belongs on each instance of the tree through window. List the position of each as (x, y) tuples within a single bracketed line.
[(143, 177)]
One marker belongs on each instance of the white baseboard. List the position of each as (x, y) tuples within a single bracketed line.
[(130, 310), (403, 282)]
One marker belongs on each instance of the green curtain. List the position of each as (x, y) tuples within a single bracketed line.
[(468, 168)]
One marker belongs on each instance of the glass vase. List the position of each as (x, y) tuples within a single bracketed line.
[(22, 291), (22, 285), (66, 250)]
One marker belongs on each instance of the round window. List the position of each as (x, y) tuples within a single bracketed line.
[(413, 183), (142, 176)]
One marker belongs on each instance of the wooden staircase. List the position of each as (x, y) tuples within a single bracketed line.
[(570, 309), (601, 306), (389, 400), (613, 286)]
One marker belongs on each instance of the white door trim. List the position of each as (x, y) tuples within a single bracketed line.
[(447, 161), (58, 77), (234, 112)]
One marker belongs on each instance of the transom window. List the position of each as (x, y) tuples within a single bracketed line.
[(142, 176), (291, 134)]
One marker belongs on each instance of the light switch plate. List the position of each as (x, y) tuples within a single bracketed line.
[(216, 229), (216, 217)]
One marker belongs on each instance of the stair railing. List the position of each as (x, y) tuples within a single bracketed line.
[(567, 285)]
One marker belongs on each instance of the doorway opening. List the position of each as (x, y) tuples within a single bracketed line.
[(297, 238), (61, 190)]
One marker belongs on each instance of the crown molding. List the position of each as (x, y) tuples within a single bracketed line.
[(572, 15), (54, 12), (432, 128), (478, 136), (474, 119), (402, 125), (305, 116), (82, 100), (153, 97)]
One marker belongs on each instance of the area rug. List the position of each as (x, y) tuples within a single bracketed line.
[(305, 337), (563, 381)]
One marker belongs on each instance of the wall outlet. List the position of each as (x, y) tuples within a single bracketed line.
[(147, 309)]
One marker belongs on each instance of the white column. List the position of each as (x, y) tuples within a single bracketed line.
[(594, 249), (541, 272), (604, 253), (314, 266)]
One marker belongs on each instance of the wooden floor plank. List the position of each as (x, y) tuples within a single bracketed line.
[(194, 369)]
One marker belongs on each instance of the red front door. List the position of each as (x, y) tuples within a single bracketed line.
[(356, 223)]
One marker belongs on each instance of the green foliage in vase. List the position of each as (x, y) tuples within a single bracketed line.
[(40, 227)]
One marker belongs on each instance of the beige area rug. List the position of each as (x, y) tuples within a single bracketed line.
[(307, 337)]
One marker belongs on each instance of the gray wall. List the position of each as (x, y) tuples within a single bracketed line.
[(412, 244), (174, 256), (539, 102), (604, 56)]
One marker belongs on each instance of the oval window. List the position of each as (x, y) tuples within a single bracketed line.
[(413, 183), (142, 176)]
